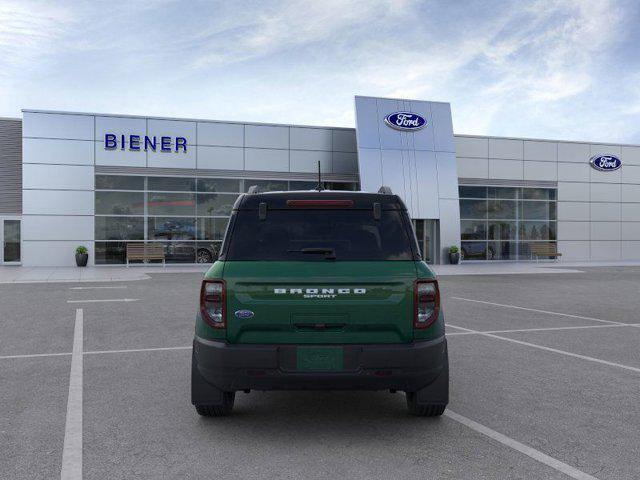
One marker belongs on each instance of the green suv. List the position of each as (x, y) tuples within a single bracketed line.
[(319, 290)]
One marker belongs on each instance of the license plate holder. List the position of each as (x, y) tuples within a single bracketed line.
[(327, 359)]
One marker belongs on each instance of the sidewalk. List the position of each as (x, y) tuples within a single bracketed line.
[(19, 274)]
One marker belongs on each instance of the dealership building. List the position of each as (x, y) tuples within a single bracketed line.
[(106, 181)]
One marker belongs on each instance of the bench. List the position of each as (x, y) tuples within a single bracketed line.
[(145, 252), (544, 250)]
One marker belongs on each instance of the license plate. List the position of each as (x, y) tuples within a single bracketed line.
[(320, 358)]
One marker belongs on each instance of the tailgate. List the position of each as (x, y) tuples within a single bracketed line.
[(319, 302)]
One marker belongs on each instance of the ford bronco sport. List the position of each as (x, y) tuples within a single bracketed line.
[(319, 290)]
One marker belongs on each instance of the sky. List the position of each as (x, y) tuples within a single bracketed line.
[(540, 69)]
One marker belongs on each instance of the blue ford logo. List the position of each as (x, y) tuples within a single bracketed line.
[(244, 314), (605, 163), (405, 121)]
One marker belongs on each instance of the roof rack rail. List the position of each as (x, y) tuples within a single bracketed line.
[(253, 189), (385, 190)]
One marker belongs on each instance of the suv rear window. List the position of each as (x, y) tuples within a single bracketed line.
[(302, 235)]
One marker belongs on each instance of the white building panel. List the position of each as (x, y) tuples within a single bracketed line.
[(630, 174), (544, 151), (220, 158), (311, 139), (605, 230), (172, 128), (119, 157), (596, 176), (547, 171), (574, 172), (428, 196), (573, 192), (57, 202), (394, 169), (605, 251), (630, 231), (220, 134), (62, 177), (573, 231), (630, 250), (307, 161), (605, 192), (173, 159), (472, 147), (574, 251), (62, 152), (630, 193), (574, 152), (57, 125), (574, 211), (120, 126), (506, 149), (605, 212), (597, 149), (473, 167), (630, 155), (55, 227), (367, 121), (447, 175), (449, 225), (370, 167), (266, 136), (630, 212), (506, 169), (266, 160), (344, 162), (344, 141), (52, 253), (442, 127)]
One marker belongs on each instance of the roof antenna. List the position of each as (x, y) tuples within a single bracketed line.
[(319, 187)]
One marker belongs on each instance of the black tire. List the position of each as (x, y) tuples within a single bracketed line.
[(423, 410), (221, 410)]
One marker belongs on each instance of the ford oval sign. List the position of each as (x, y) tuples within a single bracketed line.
[(605, 163), (405, 121), (244, 314)]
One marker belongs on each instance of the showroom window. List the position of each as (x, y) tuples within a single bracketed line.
[(501, 223), (187, 215)]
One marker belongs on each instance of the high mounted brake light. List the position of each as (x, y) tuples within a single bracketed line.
[(320, 203), (212, 303), (427, 303)]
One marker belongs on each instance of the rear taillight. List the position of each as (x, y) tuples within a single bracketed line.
[(212, 300), (427, 303)]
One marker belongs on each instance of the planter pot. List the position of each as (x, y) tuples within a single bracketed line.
[(82, 259), (454, 258)]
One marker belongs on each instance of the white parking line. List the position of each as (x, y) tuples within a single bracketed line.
[(72, 449), (543, 329), (520, 447), (159, 349), (107, 300), (34, 355), (98, 288), (538, 311), (549, 349)]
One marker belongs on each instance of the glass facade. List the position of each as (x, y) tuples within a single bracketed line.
[(187, 215), (500, 223)]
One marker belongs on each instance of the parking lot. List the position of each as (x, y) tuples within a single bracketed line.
[(545, 384)]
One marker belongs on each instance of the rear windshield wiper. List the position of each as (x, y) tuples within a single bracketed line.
[(330, 253)]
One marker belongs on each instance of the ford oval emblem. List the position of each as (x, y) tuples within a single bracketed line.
[(605, 163), (405, 121), (244, 314)]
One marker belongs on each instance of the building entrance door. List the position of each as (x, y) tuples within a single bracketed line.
[(427, 235), (10, 240)]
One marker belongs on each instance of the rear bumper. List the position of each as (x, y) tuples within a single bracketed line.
[(408, 367)]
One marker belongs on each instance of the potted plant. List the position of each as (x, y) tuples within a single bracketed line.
[(454, 255), (82, 256)]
